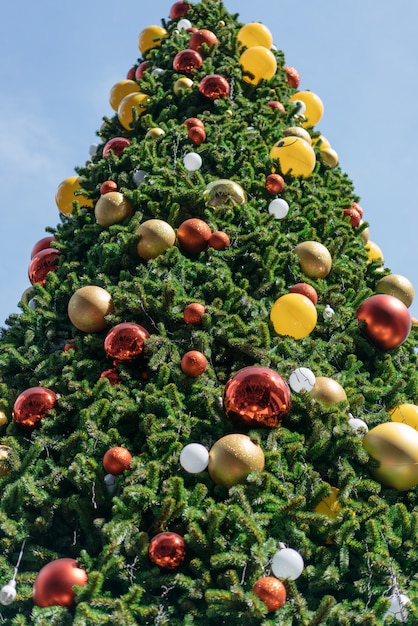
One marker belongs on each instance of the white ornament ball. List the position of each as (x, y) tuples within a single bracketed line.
[(157, 71), (279, 208), (301, 107), (397, 609), (328, 312), (93, 149), (192, 161), (139, 176), (287, 563), (8, 593), (194, 458), (302, 379), (184, 24), (358, 425), (111, 483)]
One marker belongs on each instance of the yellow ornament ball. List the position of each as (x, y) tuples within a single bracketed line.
[(112, 208), (255, 34), (5, 460), (329, 157), (259, 62), (314, 258), (294, 155), (397, 286), (374, 253), (88, 308), (3, 419), (182, 84), (130, 103), (314, 108), (120, 90), (151, 37), (329, 505), (327, 391), (156, 236), (293, 315), (67, 193), (406, 414), (153, 133)]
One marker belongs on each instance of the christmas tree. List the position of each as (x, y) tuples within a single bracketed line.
[(209, 399)]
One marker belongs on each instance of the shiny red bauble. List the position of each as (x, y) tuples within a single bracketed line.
[(305, 290), (292, 77), (179, 9), (117, 460), (386, 321), (42, 244), (197, 135), (41, 264), (200, 37), (193, 363), (275, 104), (112, 376), (274, 183), (193, 235), (117, 145), (125, 341), (167, 550), (214, 87), (139, 72), (193, 312), (187, 60), (219, 240), (33, 405), (192, 122), (107, 186), (54, 583)]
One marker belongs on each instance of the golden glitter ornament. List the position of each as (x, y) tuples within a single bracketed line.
[(328, 391), (5, 467), (156, 236), (88, 308), (398, 286), (232, 458), (314, 258), (224, 191), (112, 208)]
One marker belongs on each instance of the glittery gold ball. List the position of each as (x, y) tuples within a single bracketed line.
[(112, 208), (398, 286), (88, 308), (5, 460), (314, 258), (327, 391), (156, 236), (232, 458)]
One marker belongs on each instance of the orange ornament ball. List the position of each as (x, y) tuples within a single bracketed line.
[(271, 591), (167, 550), (54, 583), (274, 183), (32, 405), (202, 37), (305, 290), (219, 240), (197, 135), (193, 312), (192, 122), (117, 460), (194, 363), (193, 235), (385, 320)]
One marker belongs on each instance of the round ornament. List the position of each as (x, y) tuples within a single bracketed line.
[(139, 177), (193, 235), (374, 253), (112, 208), (107, 186), (88, 308), (359, 426), (54, 583), (279, 208), (125, 341), (259, 62), (133, 102), (154, 133), (8, 593), (192, 122), (5, 457), (274, 183), (179, 9), (287, 563), (182, 84), (151, 37), (256, 397), (197, 135), (329, 505), (276, 105), (192, 161), (112, 376), (406, 414), (293, 315), (305, 290), (140, 70), (193, 363), (292, 76), (386, 321), (255, 34), (194, 458), (329, 156), (202, 37), (314, 258), (193, 312), (398, 607), (167, 550), (214, 87), (224, 191), (117, 460), (42, 244), (397, 286), (68, 192), (393, 448), (42, 263), (298, 131), (3, 419), (219, 240), (353, 215), (187, 61), (185, 25), (314, 108), (120, 90), (328, 391), (32, 405), (294, 156), (302, 379), (156, 236), (232, 458), (116, 145), (271, 591)]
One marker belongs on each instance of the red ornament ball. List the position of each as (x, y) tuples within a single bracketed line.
[(354, 216), (200, 37), (357, 207), (179, 9), (193, 312), (130, 74), (117, 145), (193, 121), (187, 61), (292, 77), (41, 264), (271, 591), (193, 235), (214, 87), (54, 583), (125, 341), (274, 183), (275, 104), (167, 550), (194, 363), (386, 321), (197, 135), (116, 460), (256, 397), (112, 375), (139, 72), (42, 244), (107, 186), (33, 405), (219, 240), (305, 290)]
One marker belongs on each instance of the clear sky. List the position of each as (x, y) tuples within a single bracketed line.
[(60, 59)]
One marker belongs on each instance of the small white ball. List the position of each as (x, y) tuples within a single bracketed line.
[(139, 176), (287, 563), (397, 609), (157, 71), (93, 149), (111, 483), (302, 379), (301, 107), (8, 593), (328, 312), (358, 425), (184, 24), (279, 208), (194, 458), (192, 161)]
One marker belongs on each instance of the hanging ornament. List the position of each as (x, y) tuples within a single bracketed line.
[(184, 25), (374, 253), (329, 505), (112, 376), (93, 149), (197, 135), (398, 607), (134, 101), (117, 145), (292, 76), (8, 592), (405, 413), (393, 448), (107, 186), (157, 71), (224, 191), (54, 583), (182, 84), (117, 460), (219, 240), (314, 107), (179, 9), (125, 341), (214, 87), (41, 264), (120, 90), (192, 122), (192, 161), (232, 458), (112, 208), (329, 157), (293, 315), (256, 397), (279, 208), (42, 244), (276, 105), (194, 458), (305, 290), (258, 63), (187, 61), (3, 419), (151, 37), (32, 405), (298, 131), (193, 312), (140, 70), (287, 563), (255, 34), (274, 183), (302, 379), (203, 37), (156, 236), (5, 458), (294, 156), (111, 484), (88, 308), (328, 391), (167, 550), (193, 363), (193, 235), (328, 312), (154, 133), (271, 591), (359, 426), (386, 321), (314, 258), (139, 176), (68, 192), (397, 286)]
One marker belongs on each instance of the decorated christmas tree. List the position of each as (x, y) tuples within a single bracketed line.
[(209, 401)]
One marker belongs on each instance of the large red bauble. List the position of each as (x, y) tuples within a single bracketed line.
[(200, 37), (387, 321), (187, 61), (167, 550), (33, 405), (54, 583), (125, 342), (255, 397), (214, 87), (117, 145), (116, 460), (271, 591), (42, 244), (193, 235), (41, 264), (179, 9)]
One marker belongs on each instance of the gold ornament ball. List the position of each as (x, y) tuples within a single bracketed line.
[(406, 414), (3, 419), (232, 458), (5, 467), (374, 253), (255, 34), (314, 107), (133, 101), (151, 37), (68, 191), (120, 90), (398, 286), (393, 448), (112, 208), (314, 258), (329, 505), (298, 131), (182, 84), (224, 191), (259, 62), (293, 315), (329, 157), (154, 133), (328, 391), (156, 236), (88, 308)]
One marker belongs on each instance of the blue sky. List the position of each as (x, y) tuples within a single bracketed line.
[(60, 59)]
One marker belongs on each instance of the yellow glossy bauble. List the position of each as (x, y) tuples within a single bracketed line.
[(321, 142), (259, 62), (151, 37), (374, 253), (3, 419), (5, 460), (156, 236), (232, 458), (133, 101), (406, 414), (224, 191), (328, 391), (112, 208), (314, 107), (255, 34), (329, 505), (294, 155), (153, 133), (393, 448), (182, 84), (298, 131), (293, 315), (120, 90), (66, 194), (397, 286), (329, 157), (314, 258), (88, 308), (365, 233)]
